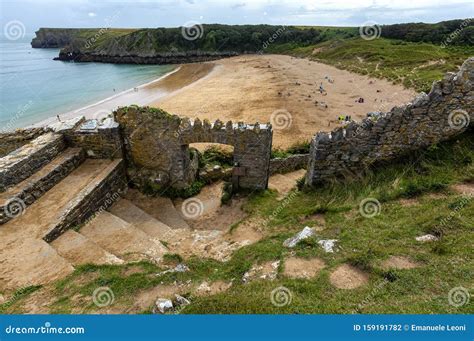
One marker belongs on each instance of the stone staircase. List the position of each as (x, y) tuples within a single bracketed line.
[(66, 210), (46, 189)]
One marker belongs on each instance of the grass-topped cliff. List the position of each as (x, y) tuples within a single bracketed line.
[(413, 54)]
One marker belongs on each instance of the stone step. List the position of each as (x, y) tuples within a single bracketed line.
[(30, 261), (78, 249), (159, 208), (29, 190), (132, 214), (99, 194), (122, 239), (25, 258), (26, 160)]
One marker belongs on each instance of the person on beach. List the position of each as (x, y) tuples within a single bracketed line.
[(57, 116)]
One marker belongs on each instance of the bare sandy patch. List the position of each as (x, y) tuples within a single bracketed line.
[(206, 289), (303, 268), (348, 277), (284, 183), (267, 270), (316, 219), (398, 262), (464, 188)]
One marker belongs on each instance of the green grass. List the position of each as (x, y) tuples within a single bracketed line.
[(398, 61), (362, 242)]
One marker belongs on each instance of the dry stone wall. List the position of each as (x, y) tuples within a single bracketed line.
[(288, 164), (9, 141), (443, 113), (156, 147), (100, 140), (26, 160)]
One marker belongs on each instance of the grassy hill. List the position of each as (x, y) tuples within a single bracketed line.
[(415, 65), (416, 196)]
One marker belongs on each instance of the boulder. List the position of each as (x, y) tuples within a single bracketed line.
[(307, 232), (162, 306)]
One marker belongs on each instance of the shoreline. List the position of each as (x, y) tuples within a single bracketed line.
[(277, 89), (146, 94)]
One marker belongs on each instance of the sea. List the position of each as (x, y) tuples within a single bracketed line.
[(33, 86)]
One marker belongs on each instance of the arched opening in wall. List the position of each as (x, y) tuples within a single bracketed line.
[(216, 160)]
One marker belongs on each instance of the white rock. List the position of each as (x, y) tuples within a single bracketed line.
[(181, 301), (177, 268), (163, 305), (66, 125), (304, 234), (181, 268), (328, 244), (426, 238)]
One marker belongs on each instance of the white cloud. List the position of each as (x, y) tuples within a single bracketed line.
[(92, 14)]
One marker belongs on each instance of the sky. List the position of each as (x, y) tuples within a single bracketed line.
[(34, 14)]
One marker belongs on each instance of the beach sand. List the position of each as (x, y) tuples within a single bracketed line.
[(251, 88)]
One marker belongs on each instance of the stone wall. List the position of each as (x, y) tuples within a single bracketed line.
[(9, 141), (26, 160), (40, 183), (288, 164), (100, 140), (445, 112), (157, 152), (95, 197)]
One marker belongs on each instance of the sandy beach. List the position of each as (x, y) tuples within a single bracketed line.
[(279, 89)]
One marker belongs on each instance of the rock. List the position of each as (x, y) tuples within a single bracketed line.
[(2, 299), (163, 305), (181, 268), (181, 301), (177, 268), (426, 238), (328, 244), (203, 288), (267, 271), (304, 234), (63, 126)]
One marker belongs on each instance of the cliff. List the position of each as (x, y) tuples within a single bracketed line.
[(56, 37), (169, 45)]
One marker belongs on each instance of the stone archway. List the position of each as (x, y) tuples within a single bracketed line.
[(156, 146)]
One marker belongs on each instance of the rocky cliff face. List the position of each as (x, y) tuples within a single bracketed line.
[(54, 37)]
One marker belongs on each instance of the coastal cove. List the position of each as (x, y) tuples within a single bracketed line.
[(34, 87)]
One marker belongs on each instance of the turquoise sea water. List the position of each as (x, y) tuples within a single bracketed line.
[(33, 86)]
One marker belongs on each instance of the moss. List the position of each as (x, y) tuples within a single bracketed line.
[(215, 155), (227, 193)]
